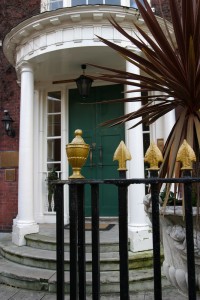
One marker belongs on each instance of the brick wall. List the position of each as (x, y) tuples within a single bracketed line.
[(8, 202), (11, 13), (165, 8)]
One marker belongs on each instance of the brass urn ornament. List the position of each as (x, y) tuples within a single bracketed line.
[(77, 153)]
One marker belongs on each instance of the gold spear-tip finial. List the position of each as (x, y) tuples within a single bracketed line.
[(186, 156), (153, 156), (122, 154)]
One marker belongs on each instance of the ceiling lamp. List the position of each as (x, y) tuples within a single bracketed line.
[(84, 84)]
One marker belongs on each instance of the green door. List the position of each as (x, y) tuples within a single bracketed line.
[(103, 141)]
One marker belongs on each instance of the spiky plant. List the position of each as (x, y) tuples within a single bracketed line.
[(171, 65)]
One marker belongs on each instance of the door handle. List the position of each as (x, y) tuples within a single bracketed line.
[(92, 148), (100, 156)]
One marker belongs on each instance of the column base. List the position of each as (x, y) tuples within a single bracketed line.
[(20, 229), (140, 238)]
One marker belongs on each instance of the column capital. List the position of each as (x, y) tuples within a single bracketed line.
[(24, 66)]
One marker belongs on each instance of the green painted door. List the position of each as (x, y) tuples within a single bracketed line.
[(103, 141)]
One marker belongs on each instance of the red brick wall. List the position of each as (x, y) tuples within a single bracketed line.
[(165, 8), (11, 13), (8, 202)]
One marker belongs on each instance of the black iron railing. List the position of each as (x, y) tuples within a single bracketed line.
[(77, 234)]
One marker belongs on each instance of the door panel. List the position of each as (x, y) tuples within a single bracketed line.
[(103, 141)]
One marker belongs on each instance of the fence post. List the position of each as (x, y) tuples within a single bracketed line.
[(122, 154), (95, 242), (59, 208), (81, 242), (123, 241), (156, 237), (73, 241), (187, 156), (77, 242), (189, 237), (77, 152), (153, 156)]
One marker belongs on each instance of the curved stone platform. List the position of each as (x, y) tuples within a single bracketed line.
[(34, 266)]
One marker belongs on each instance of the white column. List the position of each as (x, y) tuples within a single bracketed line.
[(139, 231), (163, 126), (169, 121), (25, 223)]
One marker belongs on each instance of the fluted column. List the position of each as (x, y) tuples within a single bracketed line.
[(25, 223), (140, 237)]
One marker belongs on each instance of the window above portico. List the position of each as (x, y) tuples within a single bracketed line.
[(48, 5)]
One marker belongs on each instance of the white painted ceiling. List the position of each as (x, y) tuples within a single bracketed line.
[(66, 64)]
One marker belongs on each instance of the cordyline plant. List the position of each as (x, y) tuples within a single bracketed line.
[(171, 67)]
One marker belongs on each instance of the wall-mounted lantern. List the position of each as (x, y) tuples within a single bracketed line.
[(84, 84), (7, 121)]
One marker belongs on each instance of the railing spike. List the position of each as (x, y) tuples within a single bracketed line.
[(186, 156), (153, 156), (122, 154)]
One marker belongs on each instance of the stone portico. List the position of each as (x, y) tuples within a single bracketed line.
[(51, 47)]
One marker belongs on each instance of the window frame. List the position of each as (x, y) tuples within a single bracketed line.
[(45, 4), (53, 137)]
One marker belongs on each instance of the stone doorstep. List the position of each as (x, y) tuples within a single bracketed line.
[(41, 274), (45, 280), (49, 243), (47, 259), (41, 279)]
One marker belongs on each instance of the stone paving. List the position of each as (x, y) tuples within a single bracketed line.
[(11, 293)]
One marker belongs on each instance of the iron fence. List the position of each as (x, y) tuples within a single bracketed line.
[(77, 234)]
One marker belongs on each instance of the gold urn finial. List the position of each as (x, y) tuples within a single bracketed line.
[(186, 156), (77, 153), (153, 156), (122, 154)]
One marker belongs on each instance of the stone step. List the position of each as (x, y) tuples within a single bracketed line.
[(45, 280), (34, 266), (45, 242), (46, 259)]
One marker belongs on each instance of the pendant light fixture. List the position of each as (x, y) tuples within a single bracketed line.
[(84, 84)]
